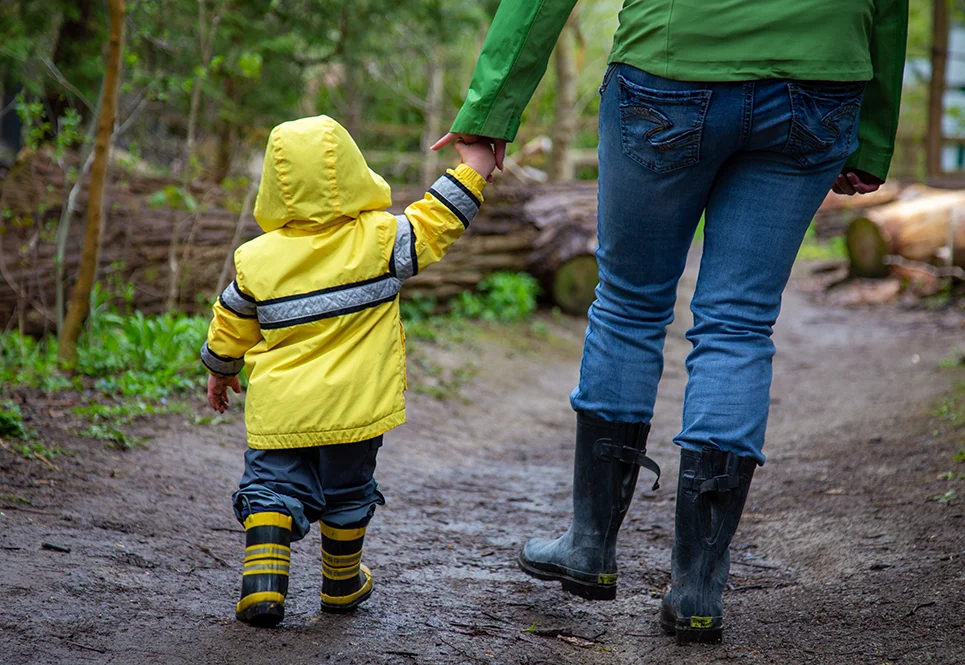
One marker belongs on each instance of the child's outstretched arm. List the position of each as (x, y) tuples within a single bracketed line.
[(439, 219), (233, 330)]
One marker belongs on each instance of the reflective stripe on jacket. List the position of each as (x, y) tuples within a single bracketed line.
[(313, 313)]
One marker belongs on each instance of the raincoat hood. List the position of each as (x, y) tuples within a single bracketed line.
[(314, 172)]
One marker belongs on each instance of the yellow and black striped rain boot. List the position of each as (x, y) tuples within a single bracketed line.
[(265, 580), (346, 583)]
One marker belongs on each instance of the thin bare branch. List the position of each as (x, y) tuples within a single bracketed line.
[(59, 77), (935, 271)]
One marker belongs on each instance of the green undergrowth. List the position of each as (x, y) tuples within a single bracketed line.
[(11, 422), (129, 365), (503, 297), (951, 418), (952, 407), (815, 249), (133, 366)]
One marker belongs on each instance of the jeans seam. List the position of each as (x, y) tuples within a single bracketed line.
[(749, 91)]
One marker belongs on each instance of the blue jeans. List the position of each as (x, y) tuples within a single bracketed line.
[(757, 159), (331, 483)]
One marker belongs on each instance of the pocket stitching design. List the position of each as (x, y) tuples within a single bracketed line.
[(800, 136), (688, 140)]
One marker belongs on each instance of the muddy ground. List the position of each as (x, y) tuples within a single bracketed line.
[(841, 558)]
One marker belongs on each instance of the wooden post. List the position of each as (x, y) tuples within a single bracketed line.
[(79, 307), (560, 165), (936, 88)]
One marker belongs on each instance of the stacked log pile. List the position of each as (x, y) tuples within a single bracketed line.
[(549, 231), (925, 226)]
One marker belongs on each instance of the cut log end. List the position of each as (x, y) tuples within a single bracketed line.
[(867, 249), (574, 285)]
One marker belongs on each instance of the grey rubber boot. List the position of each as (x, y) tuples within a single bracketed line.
[(608, 458), (711, 492)]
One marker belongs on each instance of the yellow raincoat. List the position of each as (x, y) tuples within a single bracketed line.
[(314, 310)]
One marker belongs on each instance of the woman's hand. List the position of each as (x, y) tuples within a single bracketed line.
[(218, 390), (499, 145), (853, 181)]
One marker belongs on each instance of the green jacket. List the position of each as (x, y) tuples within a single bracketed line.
[(708, 40)]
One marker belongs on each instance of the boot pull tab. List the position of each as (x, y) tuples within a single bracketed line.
[(724, 483), (608, 451)]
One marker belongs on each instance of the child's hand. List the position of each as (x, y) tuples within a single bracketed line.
[(218, 391), (479, 156)]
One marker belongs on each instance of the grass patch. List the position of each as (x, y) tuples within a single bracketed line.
[(813, 249), (129, 366), (114, 437), (944, 498), (11, 422), (503, 297), (39, 451), (952, 408), (13, 498)]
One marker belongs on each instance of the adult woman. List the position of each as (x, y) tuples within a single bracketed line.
[(746, 112)]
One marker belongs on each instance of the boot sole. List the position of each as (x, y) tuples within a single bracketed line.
[(577, 587), (262, 615), (687, 634), (349, 607)]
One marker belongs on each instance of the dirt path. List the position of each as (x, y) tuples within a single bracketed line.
[(840, 559)]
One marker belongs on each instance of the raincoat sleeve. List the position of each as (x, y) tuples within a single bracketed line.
[(511, 64), (440, 219), (233, 330), (882, 97)]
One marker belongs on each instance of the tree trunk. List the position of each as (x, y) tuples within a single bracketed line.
[(929, 228), (936, 88), (564, 113), (432, 129), (226, 136), (352, 86), (80, 297)]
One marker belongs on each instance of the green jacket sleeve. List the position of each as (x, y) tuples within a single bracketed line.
[(511, 64), (882, 97)]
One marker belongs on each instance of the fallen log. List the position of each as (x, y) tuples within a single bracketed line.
[(928, 227), (547, 230), (838, 211)]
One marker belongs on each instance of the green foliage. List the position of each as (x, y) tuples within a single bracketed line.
[(956, 359), (174, 197), (945, 498), (502, 297), (813, 249), (13, 498), (114, 436), (952, 407), (39, 451), (150, 357), (11, 422), (38, 127), (505, 297)]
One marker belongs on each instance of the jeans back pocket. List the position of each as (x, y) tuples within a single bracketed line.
[(662, 129), (824, 121)]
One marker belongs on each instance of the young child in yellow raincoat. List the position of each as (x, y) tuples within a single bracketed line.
[(313, 314)]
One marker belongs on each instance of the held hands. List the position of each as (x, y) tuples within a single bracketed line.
[(495, 150), (218, 390), (853, 181), (479, 157)]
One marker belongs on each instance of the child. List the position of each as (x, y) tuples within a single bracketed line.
[(314, 316)]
